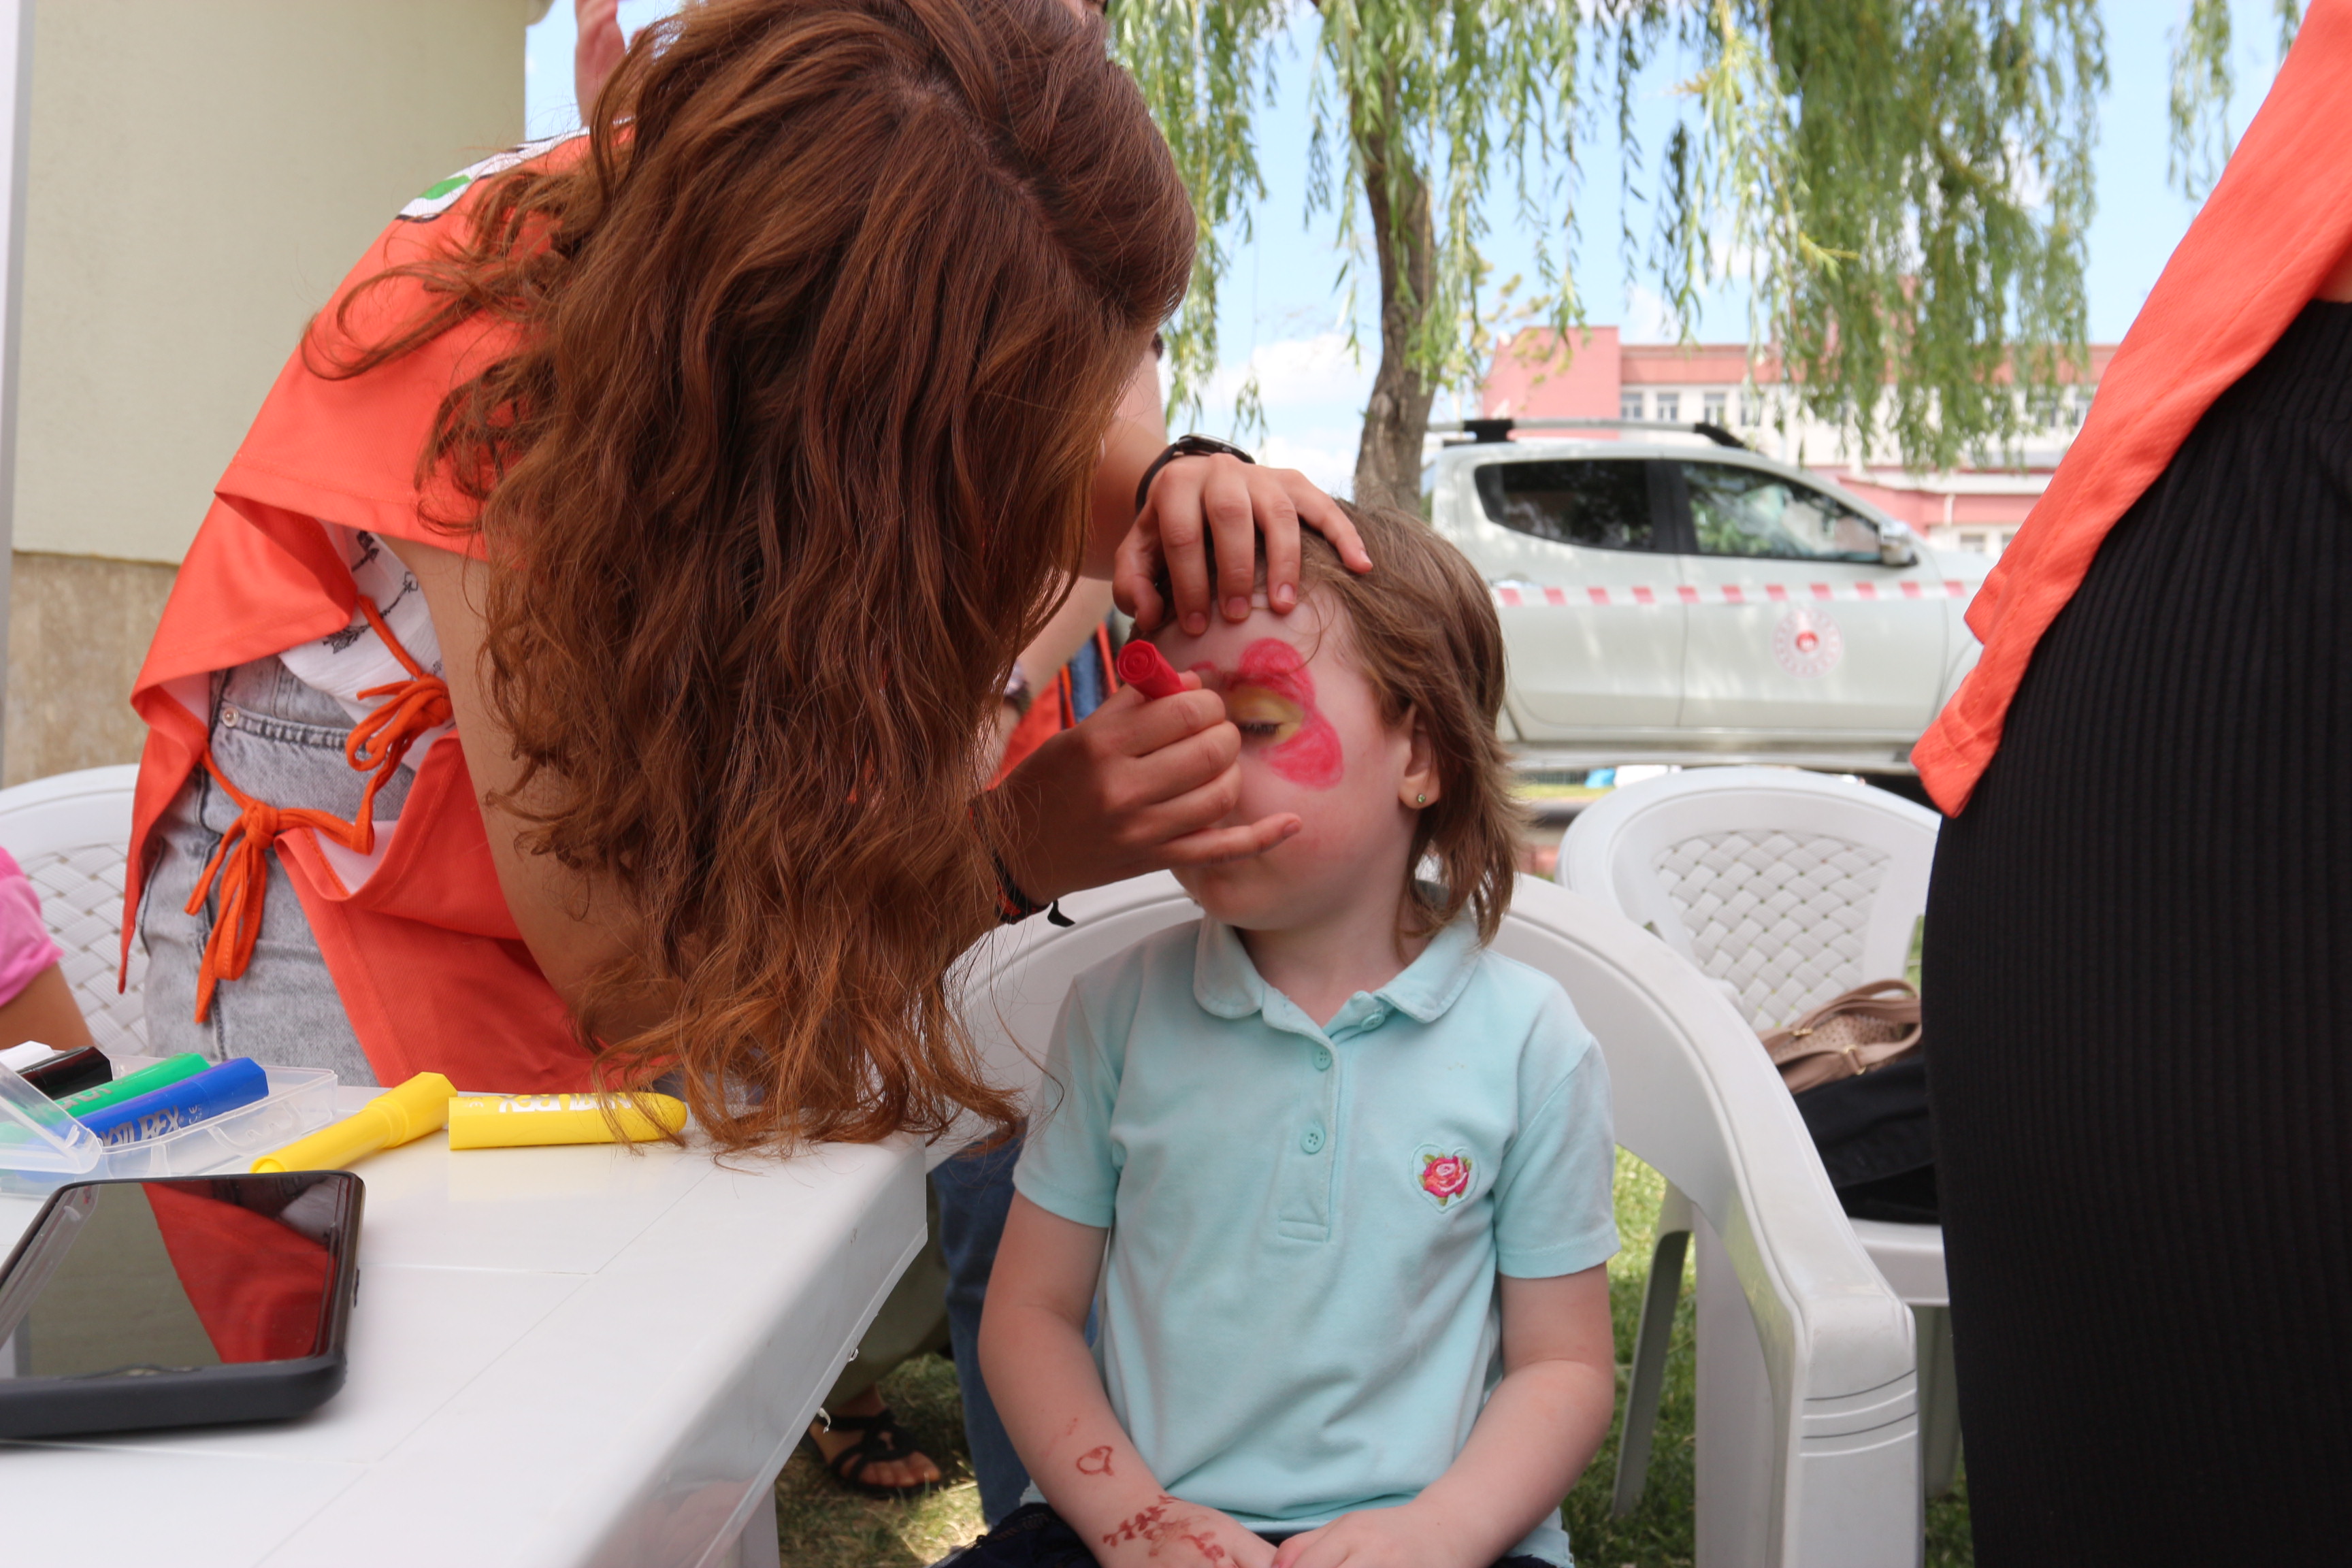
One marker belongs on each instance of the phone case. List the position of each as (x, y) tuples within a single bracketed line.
[(49, 1406)]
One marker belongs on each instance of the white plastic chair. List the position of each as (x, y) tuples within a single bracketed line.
[(1784, 887), (71, 833), (1808, 1429)]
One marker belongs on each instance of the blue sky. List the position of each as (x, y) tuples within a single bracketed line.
[(1281, 315)]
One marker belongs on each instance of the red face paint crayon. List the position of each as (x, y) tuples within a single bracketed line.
[(1146, 670)]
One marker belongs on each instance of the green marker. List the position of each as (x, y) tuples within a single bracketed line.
[(171, 1069)]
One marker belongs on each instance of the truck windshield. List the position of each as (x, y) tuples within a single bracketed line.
[(1744, 511)]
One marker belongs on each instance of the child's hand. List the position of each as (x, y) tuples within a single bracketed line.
[(1406, 1537), (1170, 1534)]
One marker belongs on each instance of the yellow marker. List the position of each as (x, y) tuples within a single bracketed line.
[(390, 1119), (510, 1121)]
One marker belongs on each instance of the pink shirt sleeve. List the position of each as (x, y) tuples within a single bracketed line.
[(25, 946)]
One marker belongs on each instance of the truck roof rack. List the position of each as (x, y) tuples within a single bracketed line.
[(1486, 431)]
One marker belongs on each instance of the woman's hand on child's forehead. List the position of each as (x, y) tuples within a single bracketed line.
[(1239, 507)]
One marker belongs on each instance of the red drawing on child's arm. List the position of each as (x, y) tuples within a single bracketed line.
[(1209, 1549), (1139, 1527), (1272, 698), (1153, 1526), (1094, 1461)]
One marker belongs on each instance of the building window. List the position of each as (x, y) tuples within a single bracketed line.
[(1975, 541), (1713, 403), (1670, 407), (1751, 410), (1629, 405)]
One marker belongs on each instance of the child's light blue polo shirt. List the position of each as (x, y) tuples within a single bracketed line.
[(1300, 1313)]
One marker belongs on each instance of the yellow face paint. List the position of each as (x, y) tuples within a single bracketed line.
[(1262, 715)]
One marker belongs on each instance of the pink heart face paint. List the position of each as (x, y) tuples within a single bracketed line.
[(1271, 699)]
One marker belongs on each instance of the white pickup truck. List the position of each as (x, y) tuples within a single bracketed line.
[(1668, 595)]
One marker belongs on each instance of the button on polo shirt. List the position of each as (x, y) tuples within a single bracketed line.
[(1298, 1304)]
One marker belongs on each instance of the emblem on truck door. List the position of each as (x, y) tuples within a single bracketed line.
[(1806, 642)]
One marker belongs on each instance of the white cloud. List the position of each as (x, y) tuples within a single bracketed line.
[(1647, 320), (1296, 372), (1313, 390), (1327, 456)]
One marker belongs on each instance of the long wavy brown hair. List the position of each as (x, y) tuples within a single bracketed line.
[(1424, 632), (814, 349)]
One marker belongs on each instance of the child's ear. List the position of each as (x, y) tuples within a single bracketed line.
[(1418, 788)]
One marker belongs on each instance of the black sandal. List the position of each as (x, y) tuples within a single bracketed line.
[(881, 1441)]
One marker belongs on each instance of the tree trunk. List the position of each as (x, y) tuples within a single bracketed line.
[(1388, 462)]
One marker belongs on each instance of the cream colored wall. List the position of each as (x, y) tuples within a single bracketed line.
[(201, 174), (78, 631)]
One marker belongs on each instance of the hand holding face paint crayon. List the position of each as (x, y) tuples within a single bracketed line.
[(1145, 784), (1146, 670)]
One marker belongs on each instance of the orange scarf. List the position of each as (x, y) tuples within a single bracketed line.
[(2275, 228)]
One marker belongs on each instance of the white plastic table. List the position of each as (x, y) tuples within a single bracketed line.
[(559, 1357)]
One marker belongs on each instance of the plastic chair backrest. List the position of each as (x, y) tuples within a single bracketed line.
[(1785, 888), (71, 833), (1827, 1412)]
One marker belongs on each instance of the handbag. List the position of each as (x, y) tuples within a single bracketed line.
[(1847, 1036), (1858, 1074)]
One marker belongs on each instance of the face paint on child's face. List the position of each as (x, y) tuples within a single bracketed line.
[(1314, 744), (1270, 697)]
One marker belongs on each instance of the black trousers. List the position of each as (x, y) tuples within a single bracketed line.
[(2139, 992)]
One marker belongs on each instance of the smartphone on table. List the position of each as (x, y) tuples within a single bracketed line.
[(179, 1303)]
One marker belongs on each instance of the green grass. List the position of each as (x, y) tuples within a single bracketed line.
[(1658, 1533), (1527, 791), (823, 1526)]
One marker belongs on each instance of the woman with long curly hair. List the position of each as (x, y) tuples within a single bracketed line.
[(605, 619)]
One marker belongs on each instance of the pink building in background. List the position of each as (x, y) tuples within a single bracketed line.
[(1966, 508)]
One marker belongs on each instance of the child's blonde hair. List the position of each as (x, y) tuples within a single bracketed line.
[(1422, 629)]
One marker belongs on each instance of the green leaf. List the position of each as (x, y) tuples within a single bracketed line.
[(1904, 185)]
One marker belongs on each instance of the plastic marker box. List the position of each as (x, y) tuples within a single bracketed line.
[(147, 1080), (199, 1097), (299, 1100), (518, 1120), (43, 1145)]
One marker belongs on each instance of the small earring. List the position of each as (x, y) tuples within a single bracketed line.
[(1420, 800)]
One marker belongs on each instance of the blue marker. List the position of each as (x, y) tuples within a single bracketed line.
[(237, 1082)]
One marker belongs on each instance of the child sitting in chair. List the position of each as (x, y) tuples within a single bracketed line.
[(1351, 1167)]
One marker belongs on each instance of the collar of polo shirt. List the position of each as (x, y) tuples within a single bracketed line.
[(1226, 983)]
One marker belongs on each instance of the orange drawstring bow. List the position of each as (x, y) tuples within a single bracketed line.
[(381, 741), (241, 865)]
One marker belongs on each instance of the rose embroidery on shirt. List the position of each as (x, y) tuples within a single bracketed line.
[(1445, 1173)]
